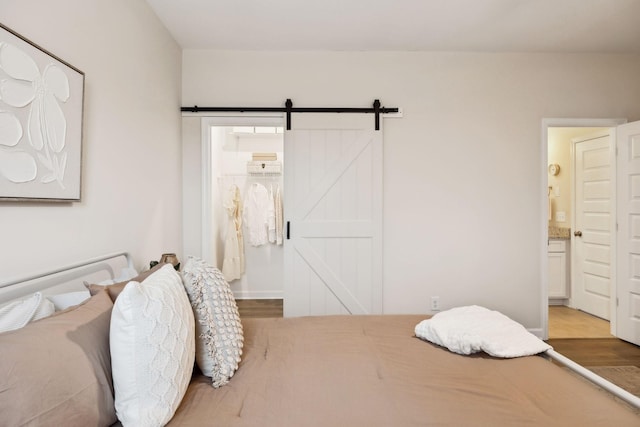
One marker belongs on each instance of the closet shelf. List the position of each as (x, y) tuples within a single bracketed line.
[(267, 167)]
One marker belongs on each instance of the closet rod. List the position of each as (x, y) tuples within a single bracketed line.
[(288, 109)]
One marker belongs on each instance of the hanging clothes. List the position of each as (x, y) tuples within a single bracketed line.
[(233, 265), (256, 214), (279, 215), (271, 217)]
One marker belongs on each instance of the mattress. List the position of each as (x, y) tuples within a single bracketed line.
[(373, 371)]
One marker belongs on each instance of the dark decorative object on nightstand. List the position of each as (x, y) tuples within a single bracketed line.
[(167, 258)]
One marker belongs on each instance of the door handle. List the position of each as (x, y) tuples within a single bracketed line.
[(577, 233)]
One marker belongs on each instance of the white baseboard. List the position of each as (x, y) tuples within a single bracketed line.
[(536, 331), (258, 294)]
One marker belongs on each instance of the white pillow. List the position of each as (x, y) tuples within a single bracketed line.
[(473, 328), (219, 334), (105, 282), (69, 299), (17, 314), (152, 348), (45, 309), (126, 273)]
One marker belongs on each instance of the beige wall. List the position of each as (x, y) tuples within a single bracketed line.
[(463, 167), (131, 188)]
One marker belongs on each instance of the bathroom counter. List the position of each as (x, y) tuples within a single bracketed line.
[(559, 233)]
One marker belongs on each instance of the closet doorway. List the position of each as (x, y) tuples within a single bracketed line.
[(330, 261), (244, 157)]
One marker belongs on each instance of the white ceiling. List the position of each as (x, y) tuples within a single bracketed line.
[(442, 25)]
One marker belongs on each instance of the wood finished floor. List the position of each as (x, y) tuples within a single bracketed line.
[(259, 307), (566, 322), (586, 339)]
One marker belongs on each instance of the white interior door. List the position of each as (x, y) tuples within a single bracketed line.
[(333, 204), (628, 241), (591, 284)]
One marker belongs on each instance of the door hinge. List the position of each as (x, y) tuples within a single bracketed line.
[(288, 230), (617, 302)]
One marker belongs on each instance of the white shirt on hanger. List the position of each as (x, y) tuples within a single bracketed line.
[(279, 215), (271, 217), (256, 211)]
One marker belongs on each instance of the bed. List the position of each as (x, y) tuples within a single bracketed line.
[(319, 371)]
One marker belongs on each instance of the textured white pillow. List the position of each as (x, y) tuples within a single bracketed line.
[(68, 299), (219, 338), (17, 314), (152, 349)]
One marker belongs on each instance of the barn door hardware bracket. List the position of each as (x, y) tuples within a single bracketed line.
[(288, 109), (289, 106)]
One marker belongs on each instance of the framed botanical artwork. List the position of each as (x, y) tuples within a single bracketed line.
[(41, 104)]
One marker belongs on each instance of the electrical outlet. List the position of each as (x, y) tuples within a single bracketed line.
[(435, 303)]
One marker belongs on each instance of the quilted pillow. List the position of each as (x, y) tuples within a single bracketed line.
[(57, 371), (17, 314), (219, 338), (152, 348)]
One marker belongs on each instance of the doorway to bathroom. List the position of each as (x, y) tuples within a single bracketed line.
[(579, 220)]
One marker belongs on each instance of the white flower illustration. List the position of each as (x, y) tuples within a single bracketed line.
[(16, 166), (46, 125)]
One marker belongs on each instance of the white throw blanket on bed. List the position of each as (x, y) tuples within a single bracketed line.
[(471, 329)]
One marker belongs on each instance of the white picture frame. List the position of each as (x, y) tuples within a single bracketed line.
[(41, 107)]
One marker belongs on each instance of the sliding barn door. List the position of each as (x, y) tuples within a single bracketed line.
[(333, 206)]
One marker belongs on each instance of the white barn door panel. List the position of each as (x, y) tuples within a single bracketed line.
[(333, 203)]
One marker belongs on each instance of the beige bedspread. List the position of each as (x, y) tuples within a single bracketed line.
[(372, 371)]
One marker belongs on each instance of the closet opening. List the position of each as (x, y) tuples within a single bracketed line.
[(243, 216), (332, 262)]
